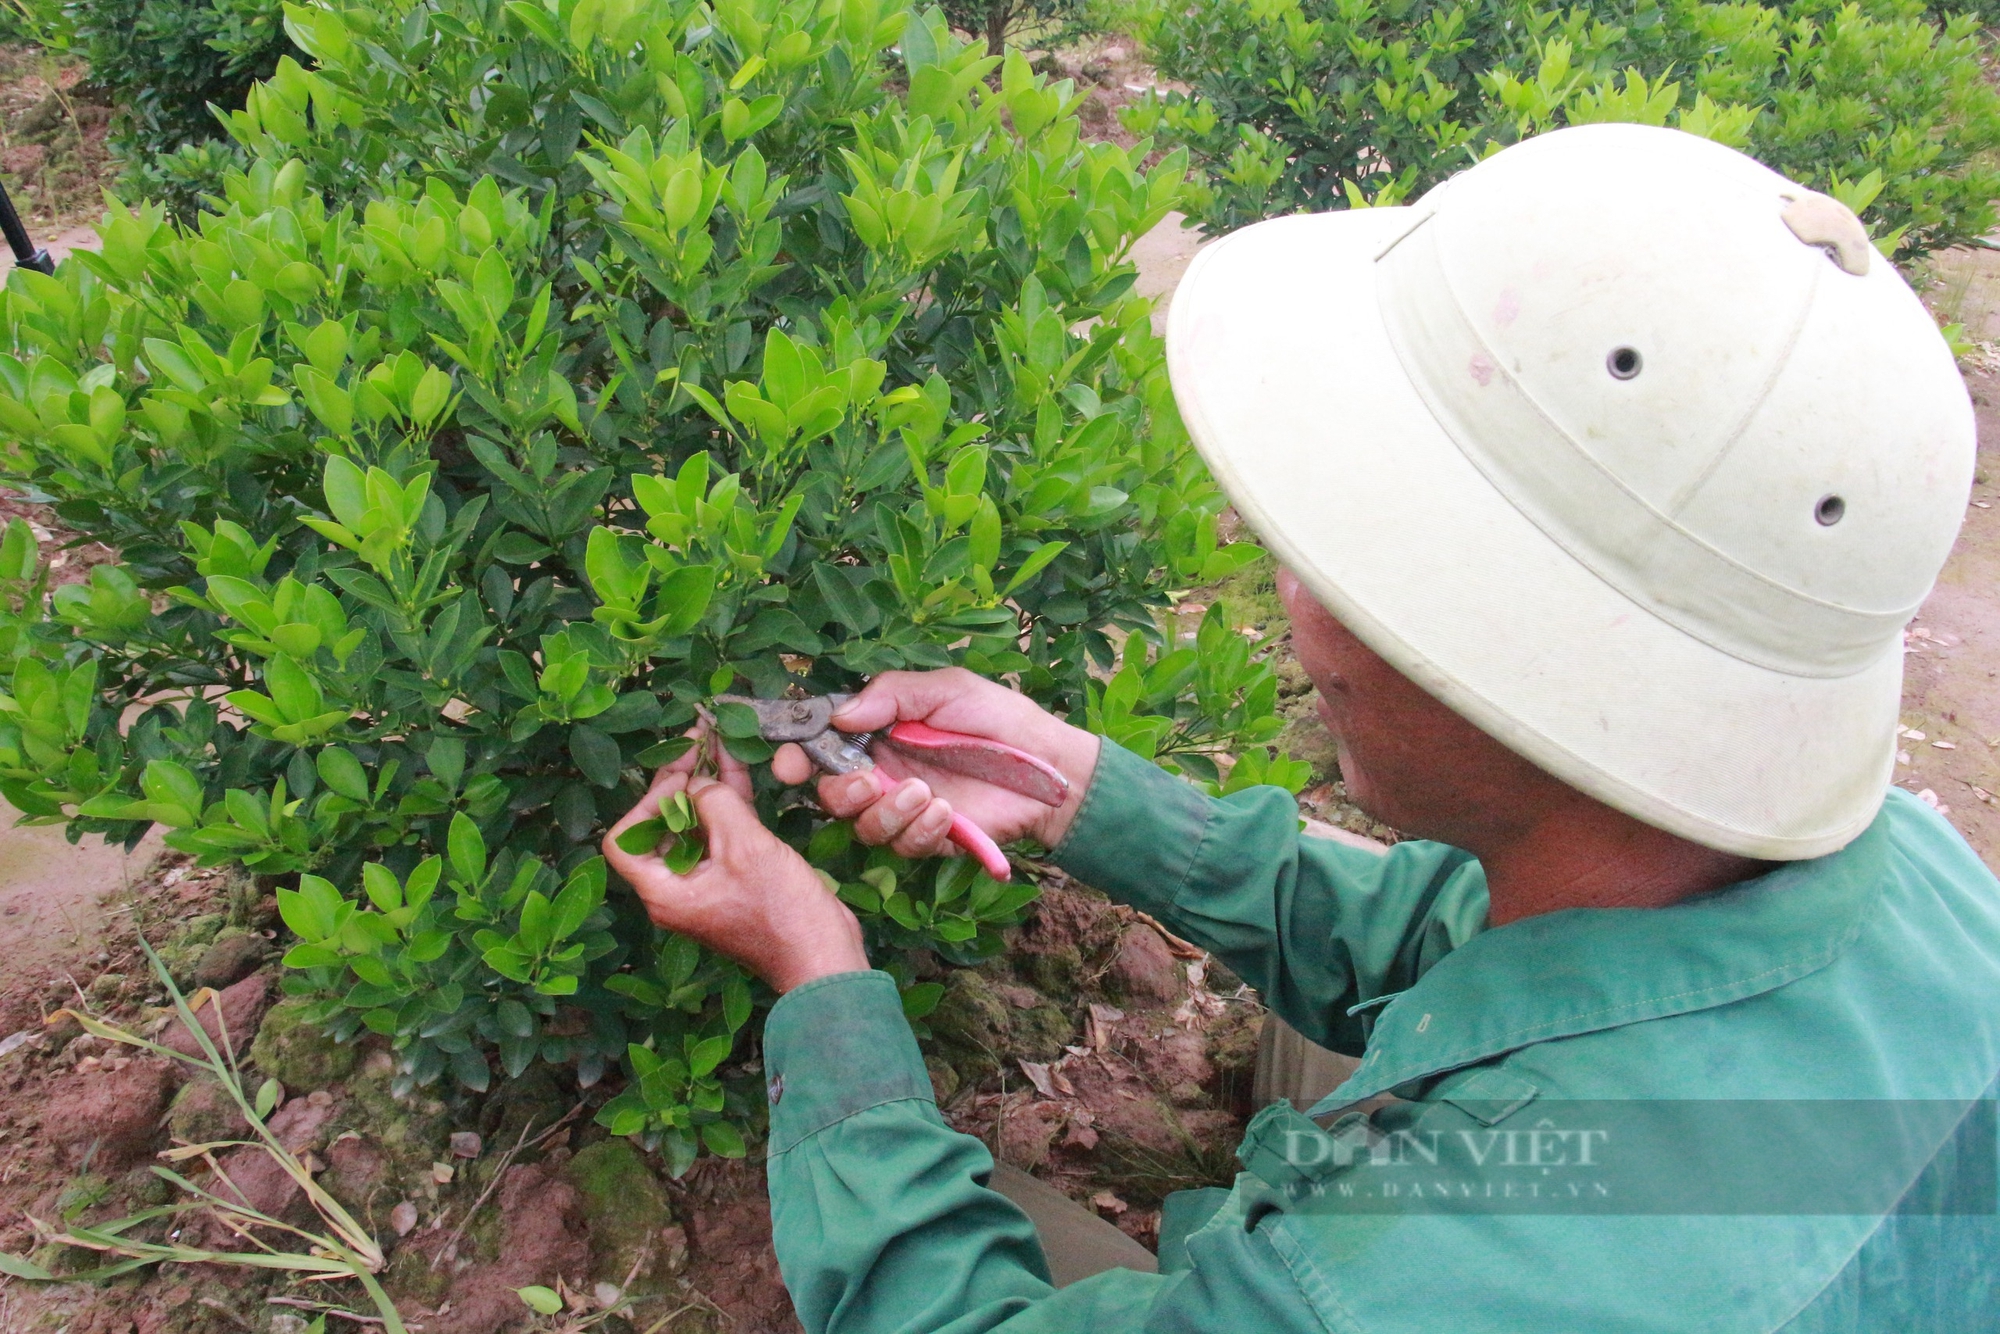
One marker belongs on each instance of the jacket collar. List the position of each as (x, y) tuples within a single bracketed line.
[(1586, 969)]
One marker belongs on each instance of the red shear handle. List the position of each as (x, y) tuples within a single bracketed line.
[(974, 840), (983, 758)]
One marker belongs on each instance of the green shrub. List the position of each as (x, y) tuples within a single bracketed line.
[(1318, 104), (1002, 21), (164, 64), (485, 434)]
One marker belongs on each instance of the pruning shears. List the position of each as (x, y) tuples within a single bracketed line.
[(808, 722)]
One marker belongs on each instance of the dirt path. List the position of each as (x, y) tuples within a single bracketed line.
[(51, 893), (1951, 687)]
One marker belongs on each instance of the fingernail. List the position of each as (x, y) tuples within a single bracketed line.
[(909, 797), (861, 786)]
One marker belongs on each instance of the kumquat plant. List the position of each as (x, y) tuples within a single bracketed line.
[(551, 369)]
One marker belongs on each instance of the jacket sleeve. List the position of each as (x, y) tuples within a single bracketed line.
[(1314, 925), (881, 1216)]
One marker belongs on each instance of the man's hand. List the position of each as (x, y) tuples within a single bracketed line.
[(752, 897), (908, 804)]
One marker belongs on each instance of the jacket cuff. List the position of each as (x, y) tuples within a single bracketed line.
[(1138, 832), (836, 1046)]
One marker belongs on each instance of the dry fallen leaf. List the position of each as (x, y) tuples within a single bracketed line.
[(1914, 735), (1109, 1203), (465, 1144), (1928, 797), (1902, 757), (1038, 1075), (1944, 745), (403, 1217), (441, 1173)]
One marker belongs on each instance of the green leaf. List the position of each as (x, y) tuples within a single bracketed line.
[(723, 1140), (709, 1053), (684, 597), (848, 606), (1034, 565), (467, 849), (343, 773), (268, 1094), (921, 999), (644, 837), (346, 488), (540, 1300), (596, 754), (24, 1269), (384, 890), (534, 934)]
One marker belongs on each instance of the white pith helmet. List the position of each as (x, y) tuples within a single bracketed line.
[(1629, 450)]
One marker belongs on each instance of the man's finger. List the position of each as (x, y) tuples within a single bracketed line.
[(927, 835), (886, 819), (791, 766), (894, 696), (734, 771), (847, 795), (728, 820)]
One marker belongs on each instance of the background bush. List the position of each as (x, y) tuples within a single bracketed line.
[(549, 371), (165, 67), (1316, 104)]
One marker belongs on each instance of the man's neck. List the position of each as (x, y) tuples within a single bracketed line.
[(1584, 855)]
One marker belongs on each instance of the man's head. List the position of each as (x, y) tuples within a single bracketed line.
[(1629, 451), (1406, 759)]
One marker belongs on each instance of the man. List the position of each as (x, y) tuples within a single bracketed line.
[(1604, 479)]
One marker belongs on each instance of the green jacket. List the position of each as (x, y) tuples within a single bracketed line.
[(1845, 1009)]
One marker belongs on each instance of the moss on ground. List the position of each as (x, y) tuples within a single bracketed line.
[(297, 1054), (626, 1207)]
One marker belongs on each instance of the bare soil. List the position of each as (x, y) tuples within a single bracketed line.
[(53, 158), (1951, 682)]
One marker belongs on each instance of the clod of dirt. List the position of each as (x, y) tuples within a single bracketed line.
[(944, 1080), (627, 1210), (541, 1240), (241, 1006), (1067, 942), (356, 1168), (116, 1109), (1145, 969), (233, 957), (520, 1109), (203, 1112), (411, 1130), (1028, 1131), (975, 1027), (297, 1054), (729, 1234), (258, 1179), (191, 940)]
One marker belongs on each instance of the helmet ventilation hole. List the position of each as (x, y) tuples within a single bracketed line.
[(1623, 363), (1829, 510)]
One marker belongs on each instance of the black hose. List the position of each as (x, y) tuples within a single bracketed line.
[(26, 255)]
